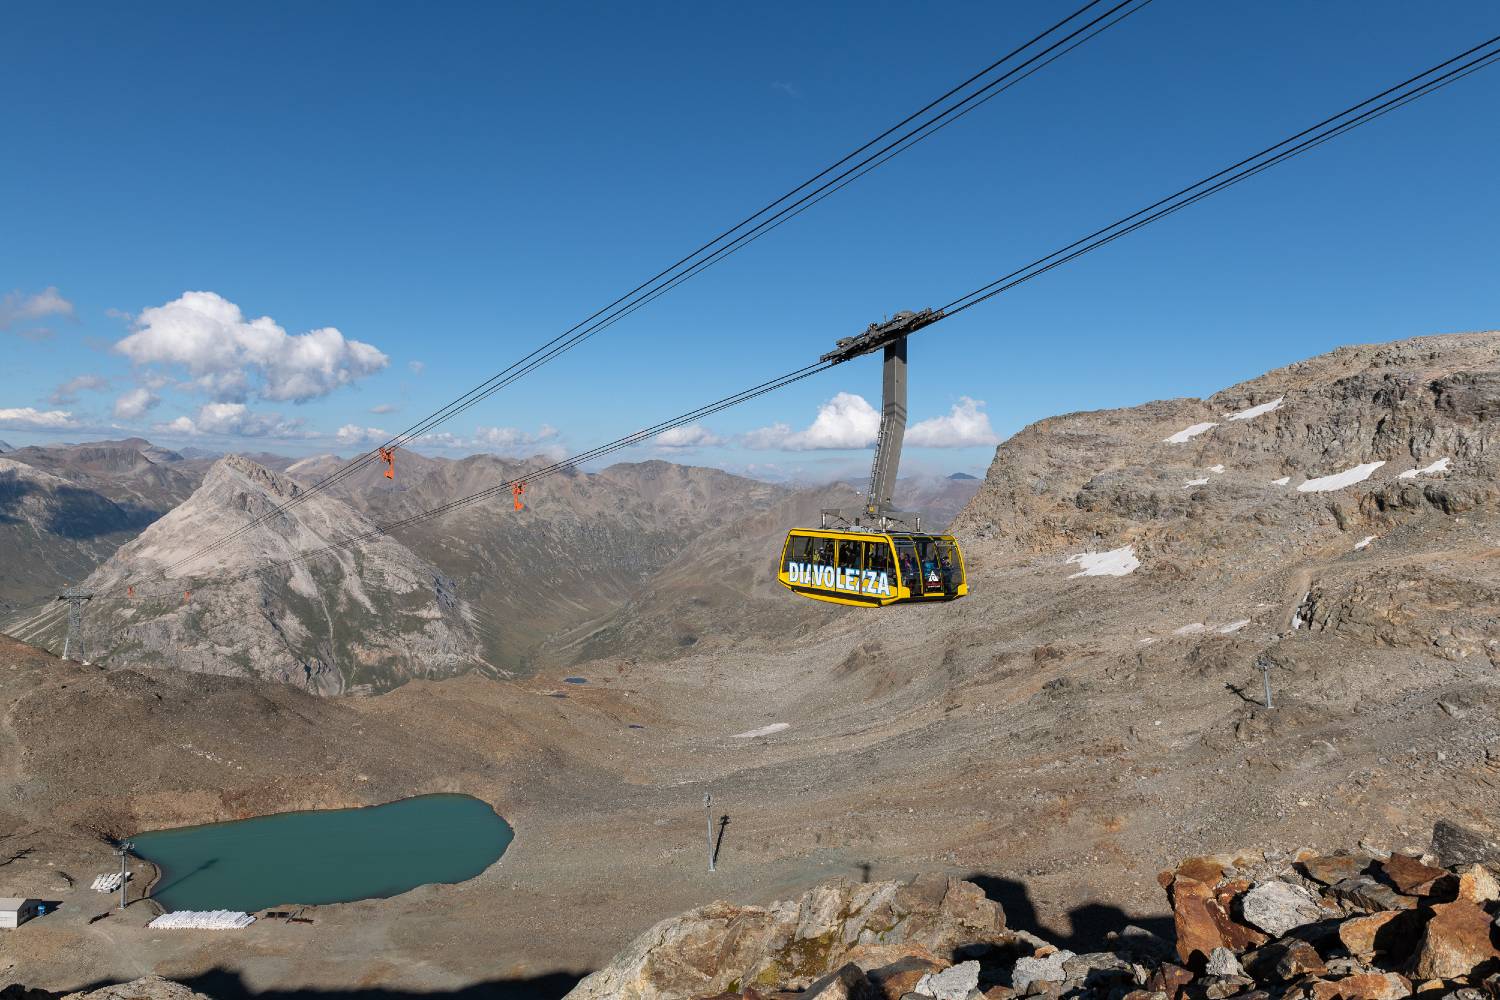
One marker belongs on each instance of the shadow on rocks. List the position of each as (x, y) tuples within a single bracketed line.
[(1090, 925)]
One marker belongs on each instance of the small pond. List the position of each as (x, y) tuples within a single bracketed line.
[(326, 856)]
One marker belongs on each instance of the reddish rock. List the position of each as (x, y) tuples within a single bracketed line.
[(900, 977), (1169, 979), (1193, 906), (1368, 986), (1334, 867), (1201, 870), (1409, 875), (1390, 932), (999, 993), (1455, 941), (1478, 886), (1300, 959)]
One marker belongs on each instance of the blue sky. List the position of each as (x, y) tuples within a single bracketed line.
[(451, 185)]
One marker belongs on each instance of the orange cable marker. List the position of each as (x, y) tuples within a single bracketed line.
[(516, 491), (129, 591), (388, 456)]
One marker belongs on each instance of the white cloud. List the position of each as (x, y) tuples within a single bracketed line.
[(383, 408), (135, 403), (69, 390), (18, 307), (505, 440), (845, 421), (512, 437), (689, 436), (417, 367), (26, 418), (235, 420), (965, 426), (209, 336), (354, 434)]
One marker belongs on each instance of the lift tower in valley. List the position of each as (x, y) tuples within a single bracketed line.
[(76, 600)]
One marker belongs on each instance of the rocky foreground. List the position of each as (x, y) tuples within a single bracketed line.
[(1362, 925)]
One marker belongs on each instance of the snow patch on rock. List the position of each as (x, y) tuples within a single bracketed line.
[(1440, 466), (1256, 411), (1339, 480), (1187, 434), (1115, 562), (1363, 542)]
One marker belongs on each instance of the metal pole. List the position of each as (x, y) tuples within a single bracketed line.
[(709, 820), (1265, 673), (124, 852)]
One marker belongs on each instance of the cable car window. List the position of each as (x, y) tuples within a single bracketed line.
[(799, 549), (822, 552), (949, 558), (906, 558), (851, 555), (878, 557), (931, 564), (948, 568)]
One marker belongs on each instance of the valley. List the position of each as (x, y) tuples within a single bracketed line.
[(1061, 735)]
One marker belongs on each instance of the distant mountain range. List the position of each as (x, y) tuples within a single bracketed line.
[(636, 557)]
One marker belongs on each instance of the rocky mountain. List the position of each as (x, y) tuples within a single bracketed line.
[(140, 477), (53, 532), (596, 563), (364, 618)]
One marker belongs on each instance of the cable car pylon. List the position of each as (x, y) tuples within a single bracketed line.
[(877, 555)]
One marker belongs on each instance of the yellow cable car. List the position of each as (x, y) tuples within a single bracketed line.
[(877, 555), (872, 568)]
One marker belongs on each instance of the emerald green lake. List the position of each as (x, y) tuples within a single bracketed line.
[(327, 856)]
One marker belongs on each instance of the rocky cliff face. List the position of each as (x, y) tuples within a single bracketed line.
[(52, 531), (360, 618), (1333, 479)]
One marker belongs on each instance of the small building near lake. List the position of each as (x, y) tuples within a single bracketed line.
[(15, 911)]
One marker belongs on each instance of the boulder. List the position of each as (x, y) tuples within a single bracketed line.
[(1276, 907), (1222, 962), (846, 983), (955, 983), (1299, 959), (1367, 986), (1455, 941), (1369, 895), (1098, 970), (1169, 980), (1455, 844), (894, 978), (147, 988), (1039, 969), (1203, 923), (1409, 875), (1477, 885), (1335, 867), (1388, 932), (792, 944)]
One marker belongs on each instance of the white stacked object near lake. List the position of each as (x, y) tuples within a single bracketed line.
[(202, 920)]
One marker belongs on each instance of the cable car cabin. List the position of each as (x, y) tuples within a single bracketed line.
[(870, 568)]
